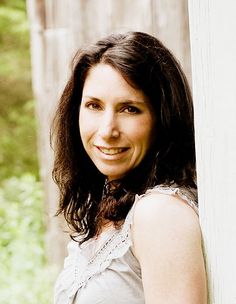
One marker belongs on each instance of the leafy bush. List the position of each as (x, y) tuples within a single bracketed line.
[(18, 141), (25, 277), (17, 122)]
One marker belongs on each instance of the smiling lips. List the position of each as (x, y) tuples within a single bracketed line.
[(111, 151)]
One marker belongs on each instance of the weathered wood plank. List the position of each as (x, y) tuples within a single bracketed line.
[(170, 24), (213, 45)]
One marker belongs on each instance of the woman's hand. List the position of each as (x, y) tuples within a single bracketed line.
[(167, 243)]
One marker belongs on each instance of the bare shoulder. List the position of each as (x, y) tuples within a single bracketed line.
[(165, 213), (167, 243)]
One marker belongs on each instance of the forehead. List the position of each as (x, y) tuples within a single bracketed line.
[(104, 80)]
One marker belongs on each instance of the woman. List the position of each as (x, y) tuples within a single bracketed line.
[(125, 167)]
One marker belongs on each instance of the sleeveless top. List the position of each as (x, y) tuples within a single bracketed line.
[(105, 270)]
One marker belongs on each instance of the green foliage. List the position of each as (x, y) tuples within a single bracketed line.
[(18, 141), (24, 276), (18, 4), (17, 123), (14, 42)]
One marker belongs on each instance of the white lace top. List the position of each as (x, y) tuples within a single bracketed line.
[(104, 270)]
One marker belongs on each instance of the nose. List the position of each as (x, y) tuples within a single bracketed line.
[(109, 126)]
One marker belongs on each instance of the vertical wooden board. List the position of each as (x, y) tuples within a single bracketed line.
[(49, 56), (213, 48), (56, 62), (93, 20), (98, 18), (170, 25), (56, 12), (76, 24), (57, 56), (131, 15)]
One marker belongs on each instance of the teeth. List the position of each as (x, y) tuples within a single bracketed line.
[(111, 151)]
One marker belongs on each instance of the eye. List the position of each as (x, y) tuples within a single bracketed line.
[(94, 106), (131, 110)]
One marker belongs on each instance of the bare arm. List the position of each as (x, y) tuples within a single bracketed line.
[(167, 243)]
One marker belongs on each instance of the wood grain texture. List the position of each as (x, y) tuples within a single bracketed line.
[(213, 48)]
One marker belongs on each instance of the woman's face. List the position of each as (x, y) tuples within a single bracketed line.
[(116, 122)]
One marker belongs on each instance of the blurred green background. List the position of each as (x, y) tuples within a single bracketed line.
[(25, 276)]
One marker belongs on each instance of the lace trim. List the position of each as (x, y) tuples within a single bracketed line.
[(79, 269)]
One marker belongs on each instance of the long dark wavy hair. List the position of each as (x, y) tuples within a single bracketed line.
[(86, 201)]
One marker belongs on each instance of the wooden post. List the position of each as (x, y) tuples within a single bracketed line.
[(50, 55), (213, 49), (170, 25)]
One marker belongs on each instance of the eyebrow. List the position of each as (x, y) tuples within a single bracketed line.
[(126, 101)]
